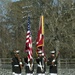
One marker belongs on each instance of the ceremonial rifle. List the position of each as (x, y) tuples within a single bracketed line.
[(55, 59)]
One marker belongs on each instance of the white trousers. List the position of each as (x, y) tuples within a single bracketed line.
[(53, 74), (15, 73), (29, 74), (40, 74)]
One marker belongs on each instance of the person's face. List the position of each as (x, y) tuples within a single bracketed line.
[(52, 55), (16, 54), (39, 54)]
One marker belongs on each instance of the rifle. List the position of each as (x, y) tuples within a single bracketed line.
[(41, 65), (30, 65), (20, 62), (55, 58)]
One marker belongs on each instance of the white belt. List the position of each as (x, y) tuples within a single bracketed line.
[(54, 65), (28, 64), (40, 65), (16, 65)]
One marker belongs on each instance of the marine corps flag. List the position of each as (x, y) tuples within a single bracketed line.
[(28, 47), (40, 37)]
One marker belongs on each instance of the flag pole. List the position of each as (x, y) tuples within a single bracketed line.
[(43, 31), (42, 24), (43, 36)]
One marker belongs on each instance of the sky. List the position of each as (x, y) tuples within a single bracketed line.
[(15, 0)]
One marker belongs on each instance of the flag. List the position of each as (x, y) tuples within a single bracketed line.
[(40, 36), (28, 47)]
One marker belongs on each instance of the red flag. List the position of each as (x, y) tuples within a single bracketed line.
[(28, 48), (40, 37)]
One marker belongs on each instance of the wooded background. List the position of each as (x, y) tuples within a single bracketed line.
[(59, 26)]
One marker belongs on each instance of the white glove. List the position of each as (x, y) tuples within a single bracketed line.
[(13, 73)]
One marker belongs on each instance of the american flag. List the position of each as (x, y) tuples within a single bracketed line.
[(28, 48)]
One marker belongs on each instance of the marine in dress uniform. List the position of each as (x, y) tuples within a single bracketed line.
[(52, 63), (16, 64), (29, 66), (41, 66)]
